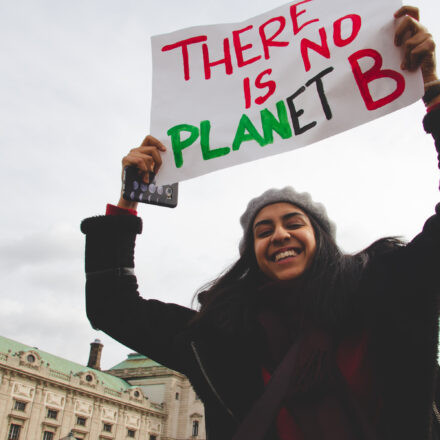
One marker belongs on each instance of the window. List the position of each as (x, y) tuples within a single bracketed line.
[(19, 406), (107, 427), (152, 437), (52, 414), (131, 433), (14, 432), (30, 358), (81, 421), (195, 432), (47, 435), (177, 396)]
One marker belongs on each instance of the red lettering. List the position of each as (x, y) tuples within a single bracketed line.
[(184, 45), (226, 60), (355, 28), (375, 72), (271, 85), (239, 49), (321, 49), (267, 42), (294, 14), (247, 92)]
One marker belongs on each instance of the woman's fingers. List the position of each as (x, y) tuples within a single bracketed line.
[(417, 43), (421, 55), (146, 158), (154, 154), (412, 11), (407, 28), (416, 49), (138, 160), (152, 141)]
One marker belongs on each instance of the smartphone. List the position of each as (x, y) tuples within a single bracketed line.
[(136, 190)]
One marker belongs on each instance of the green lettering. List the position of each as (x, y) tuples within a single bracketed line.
[(271, 124), (178, 144), (207, 153), (241, 136)]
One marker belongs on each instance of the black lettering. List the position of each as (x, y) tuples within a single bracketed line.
[(320, 88), (295, 114)]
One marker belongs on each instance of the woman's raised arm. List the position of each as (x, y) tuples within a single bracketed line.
[(146, 158), (419, 51)]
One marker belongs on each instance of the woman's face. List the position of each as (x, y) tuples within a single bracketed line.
[(284, 241)]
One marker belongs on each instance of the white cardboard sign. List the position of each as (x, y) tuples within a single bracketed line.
[(232, 93)]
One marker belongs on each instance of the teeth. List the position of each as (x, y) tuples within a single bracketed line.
[(285, 254)]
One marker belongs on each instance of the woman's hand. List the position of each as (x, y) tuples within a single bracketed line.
[(146, 159), (417, 43)]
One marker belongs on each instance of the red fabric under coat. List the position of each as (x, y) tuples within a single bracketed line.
[(351, 361), (116, 210)]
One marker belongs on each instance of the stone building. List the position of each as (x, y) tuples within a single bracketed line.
[(169, 388), (45, 397)]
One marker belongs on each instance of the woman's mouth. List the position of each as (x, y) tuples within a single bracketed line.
[(283, 254)]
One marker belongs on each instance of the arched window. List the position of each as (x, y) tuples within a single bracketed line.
[(195, 431)]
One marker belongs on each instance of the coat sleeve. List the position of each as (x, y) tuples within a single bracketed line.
[(404, 275), (400, 305), (113, 303), (423, 252)]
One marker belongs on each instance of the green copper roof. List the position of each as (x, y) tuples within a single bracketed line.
[(136, 360), (63, 365)]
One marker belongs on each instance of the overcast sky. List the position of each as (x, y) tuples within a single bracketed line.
[(75, 94)]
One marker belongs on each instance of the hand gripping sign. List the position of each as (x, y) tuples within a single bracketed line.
[(232, 93)]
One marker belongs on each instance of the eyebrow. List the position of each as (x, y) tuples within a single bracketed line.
[(284, 217)]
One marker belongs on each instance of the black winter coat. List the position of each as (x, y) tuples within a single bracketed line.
[(402, 301)]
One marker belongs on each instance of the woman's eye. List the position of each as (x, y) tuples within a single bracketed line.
[(265, 233), (294, 225)]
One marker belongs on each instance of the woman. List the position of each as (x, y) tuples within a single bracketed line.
[(296, 341)]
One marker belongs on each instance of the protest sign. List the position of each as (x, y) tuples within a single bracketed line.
[(232, 93)]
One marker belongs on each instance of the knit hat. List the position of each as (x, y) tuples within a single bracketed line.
[(289, 195)]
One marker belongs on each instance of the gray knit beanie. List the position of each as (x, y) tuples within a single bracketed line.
[(289, 195)]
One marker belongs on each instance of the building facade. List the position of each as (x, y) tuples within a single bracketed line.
[(45, 397), (172, 390)]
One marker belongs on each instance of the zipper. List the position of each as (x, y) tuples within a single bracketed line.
[(208, 380), (436, 412)]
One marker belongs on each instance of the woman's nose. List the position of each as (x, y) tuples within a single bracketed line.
[(281, 234)]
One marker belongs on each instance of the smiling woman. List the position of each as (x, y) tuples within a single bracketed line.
[(284, 241), (296, 340)]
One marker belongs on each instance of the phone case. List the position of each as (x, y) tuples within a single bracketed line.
[(134, 189)]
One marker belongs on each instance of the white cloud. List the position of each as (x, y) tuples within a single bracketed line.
[(40, 248)]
